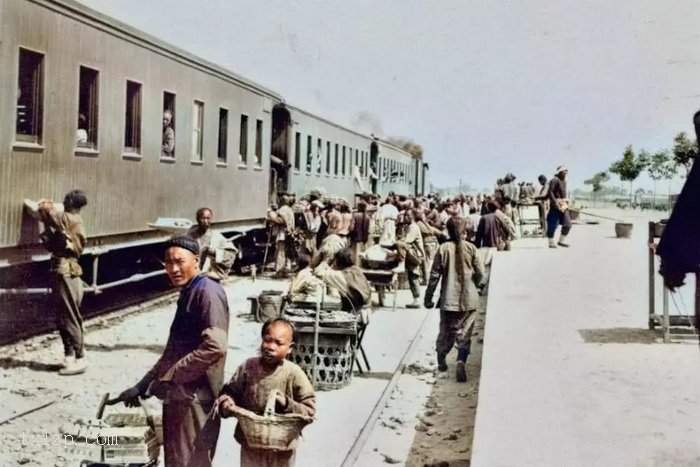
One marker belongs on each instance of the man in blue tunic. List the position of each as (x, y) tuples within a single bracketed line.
[(189, 374)]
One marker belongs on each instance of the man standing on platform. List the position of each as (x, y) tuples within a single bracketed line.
[(190, 373), (542, 203), (558, 209)]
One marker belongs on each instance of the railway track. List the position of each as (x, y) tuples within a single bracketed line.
[(362, 438), (126, 317)]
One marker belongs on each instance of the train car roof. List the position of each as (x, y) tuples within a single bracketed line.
[(356, 133), (80, 12)]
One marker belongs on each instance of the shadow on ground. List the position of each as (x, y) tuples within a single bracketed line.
[(620, 336)]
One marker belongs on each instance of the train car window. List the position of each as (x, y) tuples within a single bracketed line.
[(197, 130), (258, 142), (319, 156), (168, 146), (132, 119), (88, 108), (344, 163), (335, 170), (328, 157), (243, 141), (357, 160), (30, 97), (222, 149), (297, 151), (309, 154)]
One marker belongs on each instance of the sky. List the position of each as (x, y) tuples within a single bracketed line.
[(486, 87)]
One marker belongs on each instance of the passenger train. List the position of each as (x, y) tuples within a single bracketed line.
[(83, 98)]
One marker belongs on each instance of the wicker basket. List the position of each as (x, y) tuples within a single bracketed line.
[(270, 432)]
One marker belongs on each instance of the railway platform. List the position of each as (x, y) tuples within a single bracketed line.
[(120, 349), (571, 375)]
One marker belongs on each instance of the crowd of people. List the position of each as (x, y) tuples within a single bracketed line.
[(439, 242)]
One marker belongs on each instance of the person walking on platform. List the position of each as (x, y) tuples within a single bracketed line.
[(64, 236), (190, 374), (558, 209), (412, 246), (458, 268), (430, 237)]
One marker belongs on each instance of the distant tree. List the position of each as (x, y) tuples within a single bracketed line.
[(684, 152), (630, 166), (596, 182), (657, 165), (407, 144)]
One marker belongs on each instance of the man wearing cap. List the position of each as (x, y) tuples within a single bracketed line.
[(558, 209), (189, 374)]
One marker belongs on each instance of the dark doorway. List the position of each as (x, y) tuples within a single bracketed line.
[(374, 167), (279, 164)]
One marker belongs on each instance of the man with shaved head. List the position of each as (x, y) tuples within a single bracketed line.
[(189, 374)]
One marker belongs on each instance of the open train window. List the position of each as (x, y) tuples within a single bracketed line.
[(243, 141), (88, 108), (30, 96), (222, 149), (335, 170), (168, 145), (258, 142), (357, 160), (132, 119), (309, 154), (197, 131), (344, 162), (319, 156), (297, 150), (328, 157)]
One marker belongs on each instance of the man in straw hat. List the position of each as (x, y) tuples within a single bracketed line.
[(190, 373), (558, 209)]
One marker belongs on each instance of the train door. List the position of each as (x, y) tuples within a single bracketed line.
[(279, 162), (424, 181), (417, 176), (374, 167)]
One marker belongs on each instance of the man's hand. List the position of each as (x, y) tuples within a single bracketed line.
[(130, 397), (224, 406)]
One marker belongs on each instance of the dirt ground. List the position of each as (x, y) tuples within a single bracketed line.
[(445, 428)]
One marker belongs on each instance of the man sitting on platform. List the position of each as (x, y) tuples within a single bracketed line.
[(305, 287), (344, 276)]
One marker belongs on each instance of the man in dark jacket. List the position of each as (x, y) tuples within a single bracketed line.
[(679, 247), (189, 374)]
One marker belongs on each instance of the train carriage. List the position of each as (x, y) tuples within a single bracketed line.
[(312, 152), (70, 72), (82, 106)]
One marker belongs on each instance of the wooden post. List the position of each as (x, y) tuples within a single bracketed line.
[(314, 368), (696, 324), (652, 278), (666, 326)]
